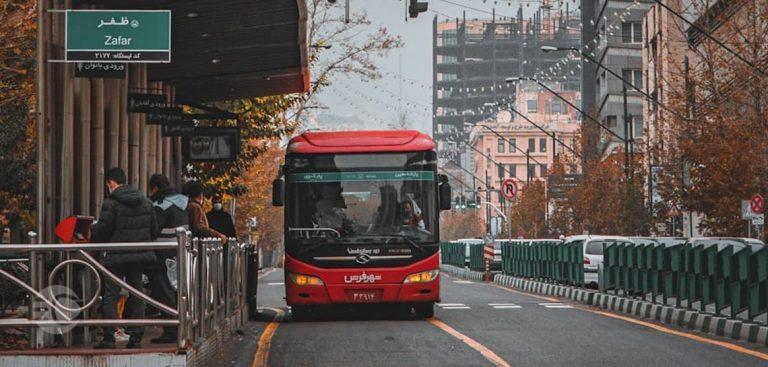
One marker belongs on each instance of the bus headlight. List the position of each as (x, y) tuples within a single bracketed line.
[(301, 279), (422, 277)]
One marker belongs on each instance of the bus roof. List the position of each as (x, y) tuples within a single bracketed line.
[(362, 141)]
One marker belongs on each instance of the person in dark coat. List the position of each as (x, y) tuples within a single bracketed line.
[(198, 222), (171, 212), (126, 216), (220, 220)]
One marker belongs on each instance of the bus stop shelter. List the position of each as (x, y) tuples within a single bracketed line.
[(220, 50)]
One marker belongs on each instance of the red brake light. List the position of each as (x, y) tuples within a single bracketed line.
[(586, 260)]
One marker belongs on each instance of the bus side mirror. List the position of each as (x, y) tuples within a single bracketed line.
[(444, 193), (278, 192)]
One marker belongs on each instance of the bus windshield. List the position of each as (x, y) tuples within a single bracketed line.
[(359, 198)]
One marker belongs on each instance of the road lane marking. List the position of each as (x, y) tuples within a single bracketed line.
[(463, 282), (449, 304), (483, 350), (456, 308), (261, 357), (555, 305), (503, 306), (731, 346), (276, 283)]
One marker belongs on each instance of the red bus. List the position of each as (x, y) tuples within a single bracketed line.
[(362, 213)]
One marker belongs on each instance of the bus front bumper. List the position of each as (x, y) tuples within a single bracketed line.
[(376, 285)]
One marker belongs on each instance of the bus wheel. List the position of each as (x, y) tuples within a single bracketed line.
[(424, 310)]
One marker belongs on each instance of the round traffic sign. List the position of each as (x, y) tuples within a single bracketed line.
[(757, 204), (509, 189)]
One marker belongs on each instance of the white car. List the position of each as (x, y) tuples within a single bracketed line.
[(593, 253)]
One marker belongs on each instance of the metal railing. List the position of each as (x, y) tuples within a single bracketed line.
[(211, 286)]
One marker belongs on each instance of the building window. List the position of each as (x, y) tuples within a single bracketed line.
[(543, 170), (500, 148), (532, 105), (634, 76), (543, 145), (556, 106), (531, 170), (487, 160), (531, 145), (610, 121), (512, 145), (638, 122), (631, 32), (513, 170), (501, 170)]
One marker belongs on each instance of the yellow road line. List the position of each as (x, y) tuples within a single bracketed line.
[(550, 299), (472, 343), (731, 346), (261, 358)]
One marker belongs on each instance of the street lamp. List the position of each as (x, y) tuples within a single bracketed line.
[(501, 214)]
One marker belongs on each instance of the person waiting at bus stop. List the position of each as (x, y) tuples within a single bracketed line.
[(126, 216), (220, 220), (171, 212), (198, 222)]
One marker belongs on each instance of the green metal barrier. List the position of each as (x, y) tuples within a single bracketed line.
[(547, 260), (453, 253), (725, 276), (476, 257)]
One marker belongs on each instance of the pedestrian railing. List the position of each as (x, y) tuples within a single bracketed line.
[(726, 277), (64, 283)]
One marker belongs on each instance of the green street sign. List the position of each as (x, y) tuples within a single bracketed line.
[(137, 36)]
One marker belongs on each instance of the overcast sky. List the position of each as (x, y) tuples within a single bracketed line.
[(376, 103)]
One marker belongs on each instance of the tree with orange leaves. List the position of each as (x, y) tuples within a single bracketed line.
[(17, 100), (257, 202), (717, 150)]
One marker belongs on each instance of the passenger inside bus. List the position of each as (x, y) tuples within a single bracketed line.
[(329, 210), (411, 214)]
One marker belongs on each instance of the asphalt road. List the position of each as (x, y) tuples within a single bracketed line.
[(476, 325)]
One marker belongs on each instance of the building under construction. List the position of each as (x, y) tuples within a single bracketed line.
[(472, 58)]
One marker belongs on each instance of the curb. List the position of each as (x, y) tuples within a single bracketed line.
[(688, 319), (462, 272)]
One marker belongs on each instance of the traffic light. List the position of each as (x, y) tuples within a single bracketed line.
[(417, 7)]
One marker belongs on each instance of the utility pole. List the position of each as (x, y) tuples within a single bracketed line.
[(626, 132), (528, 167), (554, 148), (488, 199)]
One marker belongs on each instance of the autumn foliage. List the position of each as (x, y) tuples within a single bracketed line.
[(17, 102), (256, 202), (717, 151)]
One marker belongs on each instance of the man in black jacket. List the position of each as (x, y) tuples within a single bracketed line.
[(171, 212), (126, 216), (220, 220)]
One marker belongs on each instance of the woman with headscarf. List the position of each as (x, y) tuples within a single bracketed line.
[(411, 214)]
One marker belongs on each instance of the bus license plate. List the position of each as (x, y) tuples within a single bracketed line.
[(363, 295)]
